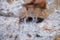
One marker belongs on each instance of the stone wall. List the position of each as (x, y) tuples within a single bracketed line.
[(12, 29)]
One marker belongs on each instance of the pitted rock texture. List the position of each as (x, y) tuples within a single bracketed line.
[(11, 29)]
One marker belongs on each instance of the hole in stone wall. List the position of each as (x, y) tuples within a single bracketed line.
[(30, 19), (37, 35), (39, 20)]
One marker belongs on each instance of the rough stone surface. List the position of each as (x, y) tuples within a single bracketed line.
[(11, 29)]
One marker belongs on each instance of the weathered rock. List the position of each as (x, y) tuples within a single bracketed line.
[(10, 29)]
